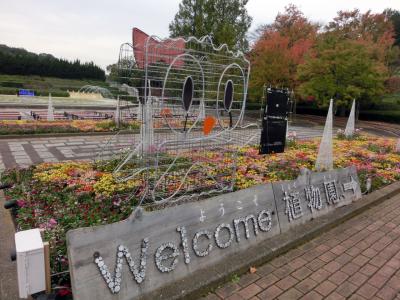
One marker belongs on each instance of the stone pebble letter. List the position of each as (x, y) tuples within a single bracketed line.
[(245, 221), (139, 273), (184, 243), (160, 257), (265, 217), (220, 244), (196, 249)]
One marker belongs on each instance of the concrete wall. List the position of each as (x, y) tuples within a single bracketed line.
[(155, 251)]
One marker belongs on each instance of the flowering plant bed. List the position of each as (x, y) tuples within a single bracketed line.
[(62, 196), (62, 126)]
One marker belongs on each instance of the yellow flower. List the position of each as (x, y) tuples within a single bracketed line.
[(108, 186)]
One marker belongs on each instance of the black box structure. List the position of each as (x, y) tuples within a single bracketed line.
[(274, 123)]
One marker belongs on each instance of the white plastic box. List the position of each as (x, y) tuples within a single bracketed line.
[(30, 262)]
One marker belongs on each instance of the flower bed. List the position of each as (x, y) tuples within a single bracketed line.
[(62, 196), (62, 126)]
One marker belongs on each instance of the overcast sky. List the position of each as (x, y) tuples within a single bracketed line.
[(92, 30)]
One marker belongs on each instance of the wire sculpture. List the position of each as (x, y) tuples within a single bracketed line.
[(191, 98)]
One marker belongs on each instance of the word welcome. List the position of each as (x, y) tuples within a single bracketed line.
[(166, 255)]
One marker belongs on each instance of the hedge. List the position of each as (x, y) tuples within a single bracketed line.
[(379, 115), (8, 91), (391, 116), (11, 84), (53, 93)]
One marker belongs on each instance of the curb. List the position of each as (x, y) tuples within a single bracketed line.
[(204, 281), (8, 274)]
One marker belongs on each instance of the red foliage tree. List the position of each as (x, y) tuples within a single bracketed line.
[(280, 48)]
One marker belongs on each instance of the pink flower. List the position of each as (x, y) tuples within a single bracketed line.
[(21, 203), (49, 225), (52, 222), (117, 202)]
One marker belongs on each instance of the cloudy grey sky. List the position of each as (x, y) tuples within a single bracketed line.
[(92, 30)]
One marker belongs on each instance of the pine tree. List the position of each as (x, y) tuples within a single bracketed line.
[(226, 21)]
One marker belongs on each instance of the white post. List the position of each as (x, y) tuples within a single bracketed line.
[(325, 153), (139, 112), (50, 109), (398, 146), (146, 128), (202, 113), (349, 131), (117, 116)]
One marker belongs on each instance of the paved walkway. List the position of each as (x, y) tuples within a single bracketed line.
[(27, 151), (359, 259)]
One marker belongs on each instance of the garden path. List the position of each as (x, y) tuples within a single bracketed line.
[(23, 152), (359, 259)]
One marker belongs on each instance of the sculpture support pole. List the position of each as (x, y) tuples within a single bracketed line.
[(325, 153), (50, 109), (350, 126), (117, 117)]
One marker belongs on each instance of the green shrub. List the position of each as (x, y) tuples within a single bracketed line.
[(392, 116), (8, 91), (309, 110), (253, 106), (11, 84), (53, 93)]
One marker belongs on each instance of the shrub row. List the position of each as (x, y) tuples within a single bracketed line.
[(11, 84), (14, 91), (391, 116)]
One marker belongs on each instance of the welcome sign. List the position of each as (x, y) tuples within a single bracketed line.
[(151, 250)]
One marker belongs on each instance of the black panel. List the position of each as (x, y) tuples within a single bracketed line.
[(187, 95), (277, 103), (273, 136), (228, 96)]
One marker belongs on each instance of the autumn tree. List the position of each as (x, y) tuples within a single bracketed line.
[(279, 49), (350, 60), (375, 32), (340, 69), (226, 21)]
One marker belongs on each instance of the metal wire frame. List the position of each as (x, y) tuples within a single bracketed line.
[(173, 159)]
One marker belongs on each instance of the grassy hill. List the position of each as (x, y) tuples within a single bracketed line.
[(10, 84)]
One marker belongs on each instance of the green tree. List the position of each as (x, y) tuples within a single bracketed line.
[(21, 62), (394, 16), (190, 20), (340, 69), (394, 54), (226, 21)]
